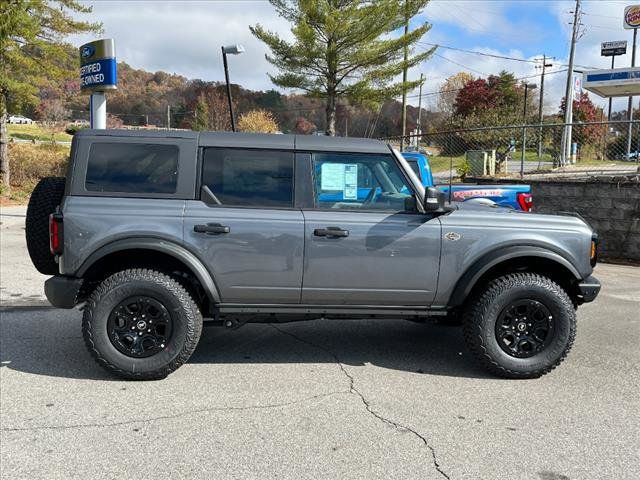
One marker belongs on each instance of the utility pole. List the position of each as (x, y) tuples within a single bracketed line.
[(568, 97), (613, 62), (630, 104), (541, 104), (168, 117), (419, 129), (404, 79)]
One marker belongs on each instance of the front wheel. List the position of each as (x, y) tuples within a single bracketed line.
[(520, 326), (141, 324)]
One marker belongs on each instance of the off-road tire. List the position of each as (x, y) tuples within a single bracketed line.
[(44, 199), (482, 313), (185, 316)]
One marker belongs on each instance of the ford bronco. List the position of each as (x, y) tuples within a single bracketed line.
[(153, 232)]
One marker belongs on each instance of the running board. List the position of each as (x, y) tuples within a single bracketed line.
[(372, 310)]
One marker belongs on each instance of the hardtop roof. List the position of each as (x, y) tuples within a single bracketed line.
[(254, 140)]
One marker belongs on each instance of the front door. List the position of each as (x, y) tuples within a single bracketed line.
[(363, 246), (244, 227)]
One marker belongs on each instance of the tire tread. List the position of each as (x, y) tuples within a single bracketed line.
[(478, 306), (194, 326)]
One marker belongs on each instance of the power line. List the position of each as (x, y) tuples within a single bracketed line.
[(503, 57), (459, 64)]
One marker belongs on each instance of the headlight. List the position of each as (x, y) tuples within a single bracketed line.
[(594, 249)]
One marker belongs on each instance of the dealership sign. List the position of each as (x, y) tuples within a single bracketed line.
[(98, 65), (611, 49), (632, 16)]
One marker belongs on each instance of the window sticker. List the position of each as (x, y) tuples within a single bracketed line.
[(332, 176), (350, 182)]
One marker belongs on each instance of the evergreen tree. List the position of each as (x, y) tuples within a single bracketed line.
[(32, 49), (201, 114), (345, 48)]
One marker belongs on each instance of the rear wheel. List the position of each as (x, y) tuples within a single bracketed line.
[(141, 324), (520, 326)]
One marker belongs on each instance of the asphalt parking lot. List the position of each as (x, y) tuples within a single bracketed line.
[(326, 399)]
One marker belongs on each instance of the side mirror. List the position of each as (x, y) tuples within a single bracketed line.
[(411, 204), (433, 200)]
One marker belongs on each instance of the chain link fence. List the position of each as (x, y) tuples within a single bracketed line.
[(521, 149)]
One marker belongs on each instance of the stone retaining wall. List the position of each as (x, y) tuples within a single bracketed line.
[(611, 205)]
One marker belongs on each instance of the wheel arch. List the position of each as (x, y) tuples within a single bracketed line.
[(154, 253), (513, 259)]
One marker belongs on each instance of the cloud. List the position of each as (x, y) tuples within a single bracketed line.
[(186, 37)]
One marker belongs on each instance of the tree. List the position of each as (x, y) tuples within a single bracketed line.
[(304, 126), (344, 48), (258, 121), (201, 114), (449, 91), (500, 91), (475, 96), (585, 111), (32, 50), (52, 111)]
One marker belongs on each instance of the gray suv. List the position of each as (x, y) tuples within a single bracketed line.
[(154, 232)]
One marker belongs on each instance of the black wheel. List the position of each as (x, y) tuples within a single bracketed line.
[(520, 326), (44, 199), (141, 324)]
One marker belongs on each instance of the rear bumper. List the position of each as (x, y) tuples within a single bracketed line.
[(588, 289), (62, 292)]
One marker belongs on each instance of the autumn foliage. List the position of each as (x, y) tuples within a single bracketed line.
[(257, 121)]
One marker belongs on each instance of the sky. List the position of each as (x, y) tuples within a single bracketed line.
[(185, 37)]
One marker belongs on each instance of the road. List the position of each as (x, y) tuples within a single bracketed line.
[(383, 399)]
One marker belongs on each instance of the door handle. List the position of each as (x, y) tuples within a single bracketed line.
[(211, 229), (335, 232)]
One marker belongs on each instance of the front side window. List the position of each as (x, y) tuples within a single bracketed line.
[(249, 178), (359, 182), (132, 168)]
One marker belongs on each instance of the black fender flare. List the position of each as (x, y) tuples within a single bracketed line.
[(489, 260), (160, 245)]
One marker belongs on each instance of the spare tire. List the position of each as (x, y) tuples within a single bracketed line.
[(44, 199)]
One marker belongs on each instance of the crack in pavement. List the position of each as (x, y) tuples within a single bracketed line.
[(355, 391), (170, 417)]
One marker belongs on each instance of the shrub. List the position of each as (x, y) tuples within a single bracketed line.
[(258, 121), (29, 163), (74, 128)]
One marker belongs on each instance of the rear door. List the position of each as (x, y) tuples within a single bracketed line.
[(364, 244), (244, 226)]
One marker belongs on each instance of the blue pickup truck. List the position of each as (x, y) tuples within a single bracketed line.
[(517, 197)]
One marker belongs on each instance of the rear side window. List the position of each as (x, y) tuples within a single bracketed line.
[(132, 168), (249, 178)]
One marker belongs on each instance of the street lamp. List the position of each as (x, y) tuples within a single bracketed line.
[(230, 50), (527, 86)]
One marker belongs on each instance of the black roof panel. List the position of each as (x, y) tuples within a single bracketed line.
[(339, 144), (247, 140), (254, 140)]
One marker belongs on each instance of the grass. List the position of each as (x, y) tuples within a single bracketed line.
[(37, 132), (29, 163)]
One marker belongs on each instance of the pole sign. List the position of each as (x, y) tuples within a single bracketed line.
[(631, 17), (98, 66), (611, 49)]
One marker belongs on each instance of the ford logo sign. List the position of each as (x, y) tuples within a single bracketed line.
[(87, 51)]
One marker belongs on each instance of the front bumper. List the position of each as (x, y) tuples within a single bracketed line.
[(62, 292), (588, 289)]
